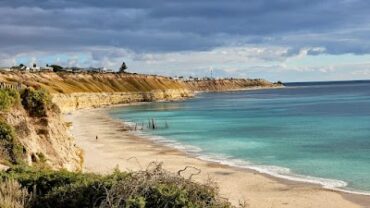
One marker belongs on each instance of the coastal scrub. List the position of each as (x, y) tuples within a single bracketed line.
[(36, 102), (12, 195), (8, 98), (10, 149), (153, 187)]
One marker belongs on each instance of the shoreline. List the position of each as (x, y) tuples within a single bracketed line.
[(194, 152), (117, 146)]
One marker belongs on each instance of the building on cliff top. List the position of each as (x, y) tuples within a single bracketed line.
[(46, 69), (5, 69)]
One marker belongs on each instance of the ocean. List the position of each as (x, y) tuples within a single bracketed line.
[(315, 132)]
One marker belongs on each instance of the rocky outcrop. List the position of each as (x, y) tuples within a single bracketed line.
[(42, 140), (228, 85), (74, 101), (45, 140), (147, 88)]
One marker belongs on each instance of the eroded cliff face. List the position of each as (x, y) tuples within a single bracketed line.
[(228, 85), (32, 132), (75, 101), (45, 141), (85, 90), (68, 83)]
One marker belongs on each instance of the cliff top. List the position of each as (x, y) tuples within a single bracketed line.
[(120, 82)]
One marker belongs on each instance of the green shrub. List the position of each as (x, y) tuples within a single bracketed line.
[(45, 180), (9, 144), (137, 202), (156, 187), (153, 187), (63, 189), (7, 133), (41, 157), (8, 98), (279, 82), (36, 102)]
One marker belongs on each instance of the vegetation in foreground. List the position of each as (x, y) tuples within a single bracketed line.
[(154, 187)]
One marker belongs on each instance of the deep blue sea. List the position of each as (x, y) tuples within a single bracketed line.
[(315, 132)]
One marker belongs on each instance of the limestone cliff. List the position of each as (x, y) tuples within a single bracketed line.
[(67, 83), (74, 101), (37, 139), (85, 90), (228, 84)]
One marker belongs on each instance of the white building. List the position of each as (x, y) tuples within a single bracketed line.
[(20, 68), (46, 69), (106, 70), (6, 69), (35, 68)]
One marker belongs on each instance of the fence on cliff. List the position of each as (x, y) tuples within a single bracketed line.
[(17, 86)]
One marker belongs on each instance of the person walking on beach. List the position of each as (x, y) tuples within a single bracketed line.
[(96, 138)]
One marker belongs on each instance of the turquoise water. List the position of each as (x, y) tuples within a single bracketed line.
[(308, 132)]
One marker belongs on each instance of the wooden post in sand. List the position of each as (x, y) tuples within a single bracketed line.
[(152, 124), (166, 125)]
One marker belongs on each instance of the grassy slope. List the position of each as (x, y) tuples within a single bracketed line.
[(94, 82), (72, 83)]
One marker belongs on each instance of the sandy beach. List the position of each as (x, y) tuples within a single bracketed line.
[(117, 147)]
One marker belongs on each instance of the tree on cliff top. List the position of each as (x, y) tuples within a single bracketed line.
[(123, 68), (56, 68)]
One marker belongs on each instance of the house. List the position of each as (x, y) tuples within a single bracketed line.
[(35, 68), (77, 70), (105, 70), (93, 69), (108, 70), (21, 67), (67, 70), (5, 69), (46, 69)]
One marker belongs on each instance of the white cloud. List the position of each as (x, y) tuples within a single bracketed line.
[(240, 61)]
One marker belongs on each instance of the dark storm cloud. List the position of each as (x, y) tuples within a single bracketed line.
[(340, 26)]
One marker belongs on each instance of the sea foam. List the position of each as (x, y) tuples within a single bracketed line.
[(280, 172), (275, 171)]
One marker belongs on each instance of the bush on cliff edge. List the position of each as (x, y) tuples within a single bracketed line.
[(10, 149), (8, 98), (36, 102)]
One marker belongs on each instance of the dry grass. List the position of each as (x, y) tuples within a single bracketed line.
[(156, 187), (73, 83), (95, 82), (12, 195)]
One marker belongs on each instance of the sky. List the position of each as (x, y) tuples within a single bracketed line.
[(287, 40)]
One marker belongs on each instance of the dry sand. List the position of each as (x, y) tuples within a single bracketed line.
[(116, 147)]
